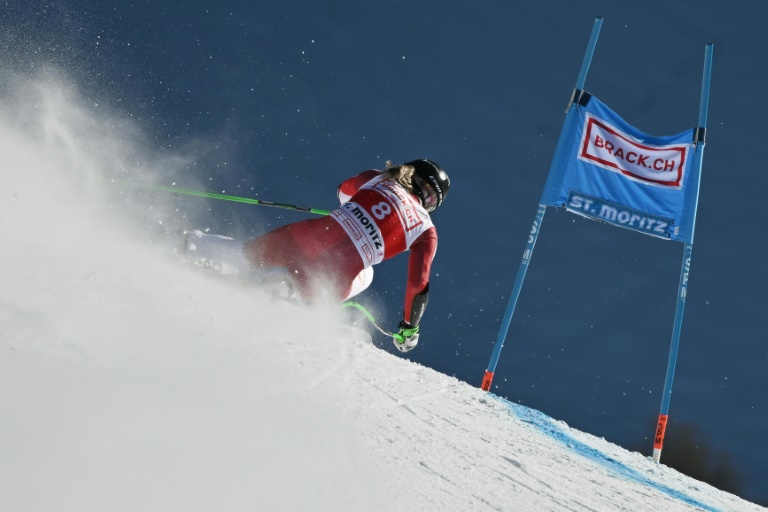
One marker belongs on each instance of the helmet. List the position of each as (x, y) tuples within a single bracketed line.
[(430, 183)]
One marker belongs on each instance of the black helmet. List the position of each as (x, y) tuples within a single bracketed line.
[(430, 183)]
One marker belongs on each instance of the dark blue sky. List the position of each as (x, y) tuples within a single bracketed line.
[(283, 100)]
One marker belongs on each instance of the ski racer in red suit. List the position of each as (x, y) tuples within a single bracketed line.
[(382, 214)]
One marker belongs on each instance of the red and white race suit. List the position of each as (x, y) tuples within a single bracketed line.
[(377, 220)]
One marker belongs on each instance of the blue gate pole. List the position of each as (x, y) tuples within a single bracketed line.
[(535, 228), (588, 54), (682, 290), (488, 377)]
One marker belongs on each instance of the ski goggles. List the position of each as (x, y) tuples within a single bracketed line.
[(427, 193)]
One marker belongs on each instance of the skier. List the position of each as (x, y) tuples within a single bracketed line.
[(382, 214)]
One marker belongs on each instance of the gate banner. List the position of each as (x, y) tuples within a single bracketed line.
[(607, 170)]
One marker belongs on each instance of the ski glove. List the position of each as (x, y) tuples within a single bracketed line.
[(407, 336)]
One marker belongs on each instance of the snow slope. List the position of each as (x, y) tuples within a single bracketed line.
[(128, 382)]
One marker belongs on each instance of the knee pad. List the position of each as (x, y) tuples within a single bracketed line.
[(359, 284)]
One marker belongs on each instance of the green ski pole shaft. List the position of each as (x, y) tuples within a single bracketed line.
[(226, 197), (372, 319)]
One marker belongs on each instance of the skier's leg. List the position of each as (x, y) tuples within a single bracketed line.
[(317, 253), (276, 256)]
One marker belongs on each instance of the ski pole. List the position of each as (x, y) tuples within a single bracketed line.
[(225, 197), (370, 317)]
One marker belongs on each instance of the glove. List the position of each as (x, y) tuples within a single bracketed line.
[(407, 336)]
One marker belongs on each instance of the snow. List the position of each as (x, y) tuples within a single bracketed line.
[(129, 382)]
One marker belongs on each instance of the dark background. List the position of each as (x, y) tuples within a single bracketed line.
[(283, 100)]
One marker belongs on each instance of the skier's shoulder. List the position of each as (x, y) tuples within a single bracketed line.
[(361, 179), (368, 175), (350, 186)]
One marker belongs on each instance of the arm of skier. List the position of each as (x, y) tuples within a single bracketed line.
[(417, 288)]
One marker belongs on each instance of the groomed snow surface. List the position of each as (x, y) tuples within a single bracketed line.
[(131, 383)]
